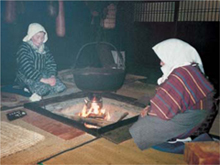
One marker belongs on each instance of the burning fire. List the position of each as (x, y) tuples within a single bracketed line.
[(94, 110)]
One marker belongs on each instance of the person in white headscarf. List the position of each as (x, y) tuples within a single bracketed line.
[(175, 53), (183, 98), (36, 67)]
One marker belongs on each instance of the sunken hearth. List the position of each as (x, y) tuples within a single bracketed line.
[(94, 114)]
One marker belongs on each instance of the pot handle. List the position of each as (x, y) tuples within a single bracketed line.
[(91, 43)]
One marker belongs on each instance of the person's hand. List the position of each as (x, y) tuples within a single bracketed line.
[(145, 111), (44, 80), (52, 81)]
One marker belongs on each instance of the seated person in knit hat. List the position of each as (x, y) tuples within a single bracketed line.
[(36, 68), (183, 99)]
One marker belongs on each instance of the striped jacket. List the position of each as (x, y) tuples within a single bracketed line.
[(32, 65), (185, 88)]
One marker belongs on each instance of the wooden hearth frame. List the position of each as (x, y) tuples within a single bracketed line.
[(37, 107)]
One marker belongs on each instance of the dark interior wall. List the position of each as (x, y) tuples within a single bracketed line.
[(136, 39), (79, 31), (147, 35), (203, 36)]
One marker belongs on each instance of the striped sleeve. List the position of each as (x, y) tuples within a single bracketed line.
[(164, 104), (25, 63), (185, 88), (50, 66)]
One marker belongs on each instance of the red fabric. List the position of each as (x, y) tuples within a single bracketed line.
[(185, 88)]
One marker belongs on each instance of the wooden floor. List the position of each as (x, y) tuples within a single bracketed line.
[(102, 151)]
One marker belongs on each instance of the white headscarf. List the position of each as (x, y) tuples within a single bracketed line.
[(175, 53), (33, 29)]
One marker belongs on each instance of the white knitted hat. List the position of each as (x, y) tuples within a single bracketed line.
[(33, 29)]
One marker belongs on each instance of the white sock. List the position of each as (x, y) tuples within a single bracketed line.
[(35, 97)]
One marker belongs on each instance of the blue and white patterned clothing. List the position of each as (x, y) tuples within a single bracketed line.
[(33, 64)]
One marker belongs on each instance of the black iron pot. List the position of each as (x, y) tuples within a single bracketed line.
[(99, 79)]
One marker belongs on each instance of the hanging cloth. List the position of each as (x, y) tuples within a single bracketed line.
[(52, 9), (60, 20), (110, 19), (10, 13)]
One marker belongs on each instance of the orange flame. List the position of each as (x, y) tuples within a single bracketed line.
[(96, 111)]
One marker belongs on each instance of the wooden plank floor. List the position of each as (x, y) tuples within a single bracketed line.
[(103, 151), (158, 156)]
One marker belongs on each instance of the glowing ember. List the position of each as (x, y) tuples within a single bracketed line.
[(90, 126)]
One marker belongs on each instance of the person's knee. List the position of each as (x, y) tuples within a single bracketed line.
[(59, 88), (43, 90)]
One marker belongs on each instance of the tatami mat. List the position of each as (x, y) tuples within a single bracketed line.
[(15, 138), (50, 146)]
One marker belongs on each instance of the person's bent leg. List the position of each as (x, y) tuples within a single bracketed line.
[(39, 88), (58, 88), (149, 131)]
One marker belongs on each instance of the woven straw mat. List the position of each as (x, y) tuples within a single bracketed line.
[(15, 138)]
